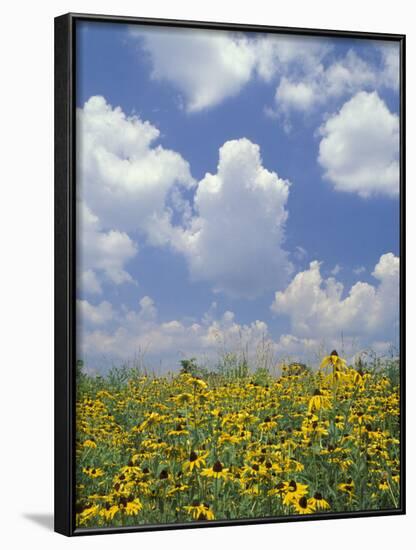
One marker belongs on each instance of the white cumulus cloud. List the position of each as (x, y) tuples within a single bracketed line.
[(94, 315), (212, 66), (279, 55), (123, 334), (359, 149), (328, 80), (295, 95), (231, 234), (124, 183), (102, 255), (319, 307), (123, 176), (205, 66), (235, 240)]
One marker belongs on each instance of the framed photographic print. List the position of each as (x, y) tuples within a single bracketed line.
[(229, 287)]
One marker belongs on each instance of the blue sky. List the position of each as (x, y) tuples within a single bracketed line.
[(321, 114)]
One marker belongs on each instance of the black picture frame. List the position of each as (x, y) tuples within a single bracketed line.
[(65, 268)]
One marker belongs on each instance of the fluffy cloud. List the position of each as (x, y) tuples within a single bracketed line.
[(233, 59), (279, 55), (128, 181), (209, 67), (299, 96), (123, 176), (318, 307), (235, 239), (289, 348), (359, 149), (390, 53), (307, 71), (123, 334), (101, 254), (135, 189), (319, 310), (319, 83), (94, 315)]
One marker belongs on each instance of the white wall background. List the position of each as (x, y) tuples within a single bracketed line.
[(26, 275)]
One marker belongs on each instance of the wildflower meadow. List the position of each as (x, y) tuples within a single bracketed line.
[(202, 446)]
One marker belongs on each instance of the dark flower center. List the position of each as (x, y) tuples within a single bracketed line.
[(217, 467), (193, 456), (303, 502)]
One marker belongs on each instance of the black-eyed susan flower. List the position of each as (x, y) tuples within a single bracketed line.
[(278, 490), (267, 424), (303, 505), (320, 400), (133, 507), (250, 489), (164, 474), (294, 491), (347, 487), (200, 511), (177, 488), (228, 438), (384, 485), (334, 360), (180, 429), (89, 443), (253, 470), (395, 477), (217, 471), (109, 511), (195, 461), (87, 514), (93, 472), (199, 383), (319, 502), (184, 398)]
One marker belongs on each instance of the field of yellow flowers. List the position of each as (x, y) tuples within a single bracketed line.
[(182, 448)]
